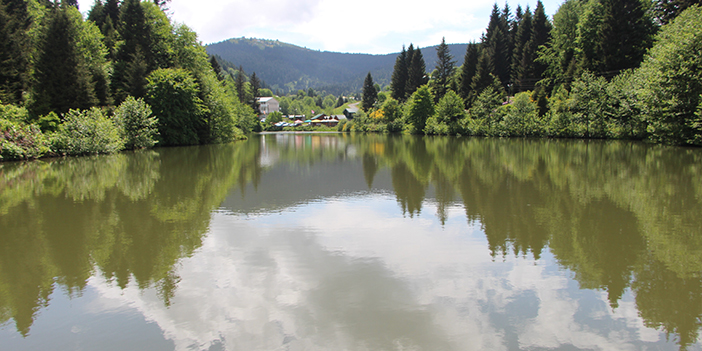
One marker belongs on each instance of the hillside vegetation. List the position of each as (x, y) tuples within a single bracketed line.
[(287, 68)]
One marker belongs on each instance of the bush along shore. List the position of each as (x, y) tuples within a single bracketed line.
[(124, 78)]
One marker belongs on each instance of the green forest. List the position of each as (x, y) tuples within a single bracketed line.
[(127, 78), (124, 78), (627, 69)]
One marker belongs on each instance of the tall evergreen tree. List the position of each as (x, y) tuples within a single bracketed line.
[(445, 67), (112, 9), (613, 35), (497, 45), (399, 76), (370, 95), (523, 55), (16, 48), (62, 80), (540, 35), (470, 65), (255, 87), (240, 84), (135, 46), (416, 73), (483, 73), (216, 68)]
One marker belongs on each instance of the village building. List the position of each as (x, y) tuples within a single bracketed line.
[(268, 105)]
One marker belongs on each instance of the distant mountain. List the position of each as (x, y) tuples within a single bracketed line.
[(287, 67)]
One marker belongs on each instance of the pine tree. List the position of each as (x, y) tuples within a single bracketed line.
[(62, 80), (240, 84), (445, 67), (135, 45), (399, 76), (496, 44), (613, 35), (112, 9), (370, 95), (483, 73), (416, 73), (521, 60), (255, 87), (216, 68), (16, 47), (540, 35), (470, 65)]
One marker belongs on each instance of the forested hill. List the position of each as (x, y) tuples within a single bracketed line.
[(287, 67)]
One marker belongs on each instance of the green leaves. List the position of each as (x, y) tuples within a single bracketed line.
[(173, 96)]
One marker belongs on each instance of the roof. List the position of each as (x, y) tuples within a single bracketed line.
[(352, 109), (265, 99), (319, 116)]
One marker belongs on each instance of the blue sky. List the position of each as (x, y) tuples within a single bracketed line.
[(359, 26)]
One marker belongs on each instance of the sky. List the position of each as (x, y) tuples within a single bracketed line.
[(359, 26)]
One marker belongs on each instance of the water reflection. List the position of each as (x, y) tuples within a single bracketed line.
[(367, 242)]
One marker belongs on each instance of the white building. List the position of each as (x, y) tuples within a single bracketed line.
[(268, 105)]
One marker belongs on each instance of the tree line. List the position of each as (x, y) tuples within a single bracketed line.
[(598, 69), (124, 78)]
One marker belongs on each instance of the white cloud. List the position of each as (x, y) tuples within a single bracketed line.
[(363, 26), (316, 277)]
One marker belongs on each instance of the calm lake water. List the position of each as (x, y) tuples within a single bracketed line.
[(355, 242)]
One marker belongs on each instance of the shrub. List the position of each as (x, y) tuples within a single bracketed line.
[(521, 117), (49, 122), (670, 81), (21, 141), (137, 127), (87, 132)]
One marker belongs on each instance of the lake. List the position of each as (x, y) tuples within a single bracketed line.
[(355, 242)]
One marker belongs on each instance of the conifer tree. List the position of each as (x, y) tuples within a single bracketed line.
[(15, 47), (240, 84), (62, 80), (470, 65), (523, 55), (216, 68), (613, 35), (540, 35), (496, 44), (370, 95), (135, 46), (112, 9), (483, 73), (255, 87), (416, 73), (445, 67), (399, 76)]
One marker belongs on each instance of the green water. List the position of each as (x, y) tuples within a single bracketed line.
[(355, 242)]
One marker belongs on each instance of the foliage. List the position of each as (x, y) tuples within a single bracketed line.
[(370, 94), (21, 141), (274, 117), (482, 117), (138, 128), (419, 107), (444, 71), (62, 78), (399, 76), (670, 81), (173, 96), (449, 112), (49, 122), (591, 105), (87, 132), (520, 117)]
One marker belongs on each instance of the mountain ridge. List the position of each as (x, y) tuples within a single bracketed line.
[(286, 67)]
